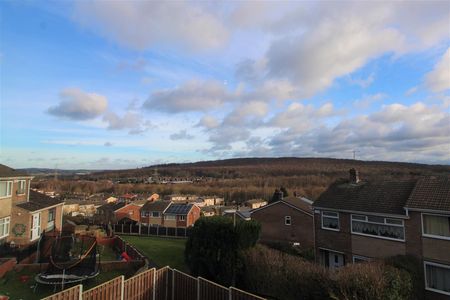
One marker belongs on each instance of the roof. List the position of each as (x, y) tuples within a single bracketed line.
[(155, 206), (39, 201), (386, 197), (299, 203), (430, 193), (179, 209), (112, 206), (6, 171)]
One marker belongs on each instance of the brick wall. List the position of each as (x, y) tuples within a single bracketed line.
[(413, 234), (273, 228), (376, 248)]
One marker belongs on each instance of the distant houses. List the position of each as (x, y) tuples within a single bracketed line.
[(169, 214)]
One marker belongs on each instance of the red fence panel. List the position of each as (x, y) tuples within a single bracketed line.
[(212, 290), (109, 290), (140, 287), (74, 293)]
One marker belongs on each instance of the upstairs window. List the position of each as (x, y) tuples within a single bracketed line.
[(386, 228), (155, 214), (181, 218), (330, 220), (21, 185), (169, 217), (437, 226), (5, 189), (51, 214), (287, 220)]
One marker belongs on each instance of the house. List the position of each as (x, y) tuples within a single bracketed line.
[(241, 212), (127, 197), (212, 200), (105, 213), (357, 221), (181, 215), (25, 214), (152, 212), (255, 203), (181, 198), (287, 220), (111, 199), (129, 212), (208, 211)]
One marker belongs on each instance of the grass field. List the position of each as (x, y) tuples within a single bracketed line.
[(162, 251), (12, 286)]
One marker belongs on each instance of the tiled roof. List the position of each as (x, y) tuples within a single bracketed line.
[(112, 206), (387, 197), (155, 206), (6, 171), (432, 193), (39, 201), (299, 203), (179, 209)]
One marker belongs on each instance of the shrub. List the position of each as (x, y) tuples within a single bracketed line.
[(413, 267)]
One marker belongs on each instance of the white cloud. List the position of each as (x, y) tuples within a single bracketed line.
[(438, 79), (76, 104), (144, 24), (208, 122), (194, 95), (181, 135)]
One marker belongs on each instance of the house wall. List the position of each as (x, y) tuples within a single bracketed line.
[(273, 228), (334, 240), (193, 216), (19, 198), (5, 207), (170, 223), (152, 220), (375, 247), (436, 249), (125, 211), (413, 234), (7, 203)]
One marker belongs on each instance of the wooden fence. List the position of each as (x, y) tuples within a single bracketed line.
[(140, 229), (163, 284)]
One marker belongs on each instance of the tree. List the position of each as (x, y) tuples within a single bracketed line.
[(213, 248)]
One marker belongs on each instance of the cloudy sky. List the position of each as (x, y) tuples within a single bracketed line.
[(115, 84)]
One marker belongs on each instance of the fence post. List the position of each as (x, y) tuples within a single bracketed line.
[(173, 284), (154, 284), (122, 287), (230, 293), (139, 228), (122, 228), (198, 288), (80, 294)]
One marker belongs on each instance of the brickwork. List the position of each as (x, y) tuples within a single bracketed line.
[(273, 228)]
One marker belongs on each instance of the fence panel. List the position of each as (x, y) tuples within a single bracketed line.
[(109, 290), (212, 290), (185, 286), (74, 293), (162, 278), (237, 294), (140, 287)]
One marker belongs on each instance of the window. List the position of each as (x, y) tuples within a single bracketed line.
[(437, 226), (4, 227), (181, 218), (169, 217), (155, 214), (21, 187), (5, 189), (330, 220), (287, 220), (386, 228), (51, 218), (437, 278)]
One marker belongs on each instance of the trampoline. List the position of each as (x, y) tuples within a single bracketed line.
[(72, 260)]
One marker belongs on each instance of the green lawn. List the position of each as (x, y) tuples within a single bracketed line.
[(162, 251), (12, 286)]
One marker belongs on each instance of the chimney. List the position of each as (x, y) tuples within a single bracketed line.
[(354, 175)]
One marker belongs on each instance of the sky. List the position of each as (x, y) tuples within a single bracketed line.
[(126, 84)]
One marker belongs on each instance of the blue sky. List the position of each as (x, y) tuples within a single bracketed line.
[(98, 84)]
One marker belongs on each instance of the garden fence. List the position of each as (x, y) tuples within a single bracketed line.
[(163, 284), (144, 230)]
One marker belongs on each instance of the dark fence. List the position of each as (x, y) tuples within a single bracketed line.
[(145, 230)]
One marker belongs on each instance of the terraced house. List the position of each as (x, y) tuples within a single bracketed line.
[(25, 214), (169, 214), (358, 221)]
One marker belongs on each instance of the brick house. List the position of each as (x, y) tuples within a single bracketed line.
[(105, 213), (288, 220), (24, 213), (152, 212), (357, 221), (181, 215), (130, 213)]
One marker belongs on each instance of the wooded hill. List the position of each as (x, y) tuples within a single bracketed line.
[(246, 178)]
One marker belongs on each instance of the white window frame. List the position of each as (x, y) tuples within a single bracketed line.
[(181, 218), (352, 218), (24, 190), (425, 263), (6, 224), (432, 235), (333, 217), (158, 216), (288, 220), (9, 187), (170, 217)]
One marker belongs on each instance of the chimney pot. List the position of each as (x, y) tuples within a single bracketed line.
[(354, 175)]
